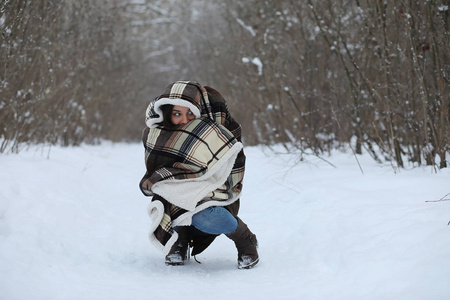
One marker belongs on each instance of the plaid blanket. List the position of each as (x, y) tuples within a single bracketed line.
[(193, 166)]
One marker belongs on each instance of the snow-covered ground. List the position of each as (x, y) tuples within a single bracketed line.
[(74, 226)]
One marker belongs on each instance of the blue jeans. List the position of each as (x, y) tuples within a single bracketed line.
[(215, 220)]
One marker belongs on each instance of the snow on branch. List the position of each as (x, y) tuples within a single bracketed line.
[(256, 61), (246, 27)]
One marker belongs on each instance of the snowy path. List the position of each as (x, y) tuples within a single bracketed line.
[(74, 226)]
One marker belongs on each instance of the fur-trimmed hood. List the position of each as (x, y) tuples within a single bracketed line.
[(183, 93)]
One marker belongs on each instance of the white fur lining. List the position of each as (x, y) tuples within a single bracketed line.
[(156, 213), (151, 122), (188, 192)]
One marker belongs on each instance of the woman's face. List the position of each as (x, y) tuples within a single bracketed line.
[(181, 115)]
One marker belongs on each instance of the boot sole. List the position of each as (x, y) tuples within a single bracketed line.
[(174, 263)]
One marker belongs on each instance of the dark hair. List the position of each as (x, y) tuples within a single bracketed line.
[(167, 113)]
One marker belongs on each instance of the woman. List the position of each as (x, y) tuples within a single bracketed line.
[(195, 167)]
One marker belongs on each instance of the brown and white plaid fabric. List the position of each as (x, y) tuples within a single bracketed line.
[(193, 166), (185, 165)]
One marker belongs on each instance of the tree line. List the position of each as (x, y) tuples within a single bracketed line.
[(314, 75)]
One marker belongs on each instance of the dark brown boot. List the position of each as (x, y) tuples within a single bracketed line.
[(246, 245), (179, 252)]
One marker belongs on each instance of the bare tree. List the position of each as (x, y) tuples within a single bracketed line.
[(315, 74)]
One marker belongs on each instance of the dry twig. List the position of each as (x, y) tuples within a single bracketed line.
[(442, 199)]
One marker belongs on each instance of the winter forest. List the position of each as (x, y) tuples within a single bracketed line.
[(345, 114), (315, 74)]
